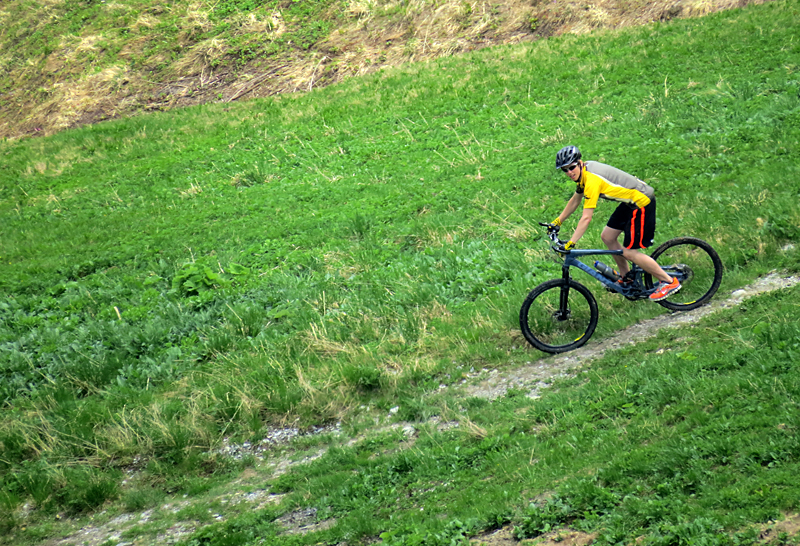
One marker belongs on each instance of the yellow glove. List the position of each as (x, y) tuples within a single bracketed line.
[(557, 222), (569, 246)]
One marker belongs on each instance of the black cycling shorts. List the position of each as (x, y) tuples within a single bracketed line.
[(639, 225)]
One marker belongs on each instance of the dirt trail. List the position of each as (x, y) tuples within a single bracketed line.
[(540, 374), (769, 533)]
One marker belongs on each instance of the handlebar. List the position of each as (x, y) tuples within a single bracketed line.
[(552, 234), (558, 245)]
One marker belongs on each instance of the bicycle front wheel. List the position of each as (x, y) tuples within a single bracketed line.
[(558, 316), (696, 265)]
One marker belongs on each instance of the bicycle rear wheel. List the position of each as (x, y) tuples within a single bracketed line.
[(697, 266), (555, 328)]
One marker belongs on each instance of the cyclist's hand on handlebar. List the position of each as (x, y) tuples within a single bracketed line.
[(552, 228), (566, 247)]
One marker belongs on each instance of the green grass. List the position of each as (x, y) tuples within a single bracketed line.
[(695, 444), (174, 279)]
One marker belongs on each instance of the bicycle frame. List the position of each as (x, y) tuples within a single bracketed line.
[(634, 291), (571, 260)]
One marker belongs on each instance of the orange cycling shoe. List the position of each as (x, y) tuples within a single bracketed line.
[(665, 290)]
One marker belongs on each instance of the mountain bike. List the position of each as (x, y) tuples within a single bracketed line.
[(560, 315)]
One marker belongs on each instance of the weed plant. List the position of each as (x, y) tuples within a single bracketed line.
[(174, 279)]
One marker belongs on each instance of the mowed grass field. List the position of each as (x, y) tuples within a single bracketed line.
[(172, 280)]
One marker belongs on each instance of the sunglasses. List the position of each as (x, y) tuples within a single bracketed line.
[(568, 169)]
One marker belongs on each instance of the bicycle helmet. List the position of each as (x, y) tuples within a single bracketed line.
[(567, 156)]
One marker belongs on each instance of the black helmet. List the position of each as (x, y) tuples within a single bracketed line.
[(567, 156)]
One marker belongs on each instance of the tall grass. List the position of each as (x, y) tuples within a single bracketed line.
[(175, 278)]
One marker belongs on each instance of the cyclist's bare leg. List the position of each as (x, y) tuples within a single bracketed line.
[(611, 239)]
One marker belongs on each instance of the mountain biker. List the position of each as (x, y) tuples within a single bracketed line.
[(635, 215)]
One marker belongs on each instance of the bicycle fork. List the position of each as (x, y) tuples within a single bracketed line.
[(563, 305)]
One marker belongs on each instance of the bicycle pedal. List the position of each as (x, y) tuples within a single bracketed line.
[(624, 286)]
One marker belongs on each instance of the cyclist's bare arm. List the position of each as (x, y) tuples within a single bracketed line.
[(583, 225), (572, 206)]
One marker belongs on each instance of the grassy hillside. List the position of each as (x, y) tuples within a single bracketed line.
[(67, 63), (176, 279)]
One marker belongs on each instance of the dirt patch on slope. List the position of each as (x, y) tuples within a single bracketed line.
[(561, 537), (62, 89), (776, 532)]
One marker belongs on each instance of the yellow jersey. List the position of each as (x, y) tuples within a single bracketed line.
[(599, 181)]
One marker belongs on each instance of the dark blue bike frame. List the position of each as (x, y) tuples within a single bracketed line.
[(636, 290)]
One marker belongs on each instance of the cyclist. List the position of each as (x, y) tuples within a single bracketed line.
[(635, 215)]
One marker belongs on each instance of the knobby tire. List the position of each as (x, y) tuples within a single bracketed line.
[(548, 332), (703, 262)]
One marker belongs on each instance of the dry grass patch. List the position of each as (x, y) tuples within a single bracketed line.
[(145, 20), (435, 311), (373, 34), (319, 342), (201, 58), (197, 17), (434, 238), (363, 10), (125, 435), (324, 393), (335, 260)]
